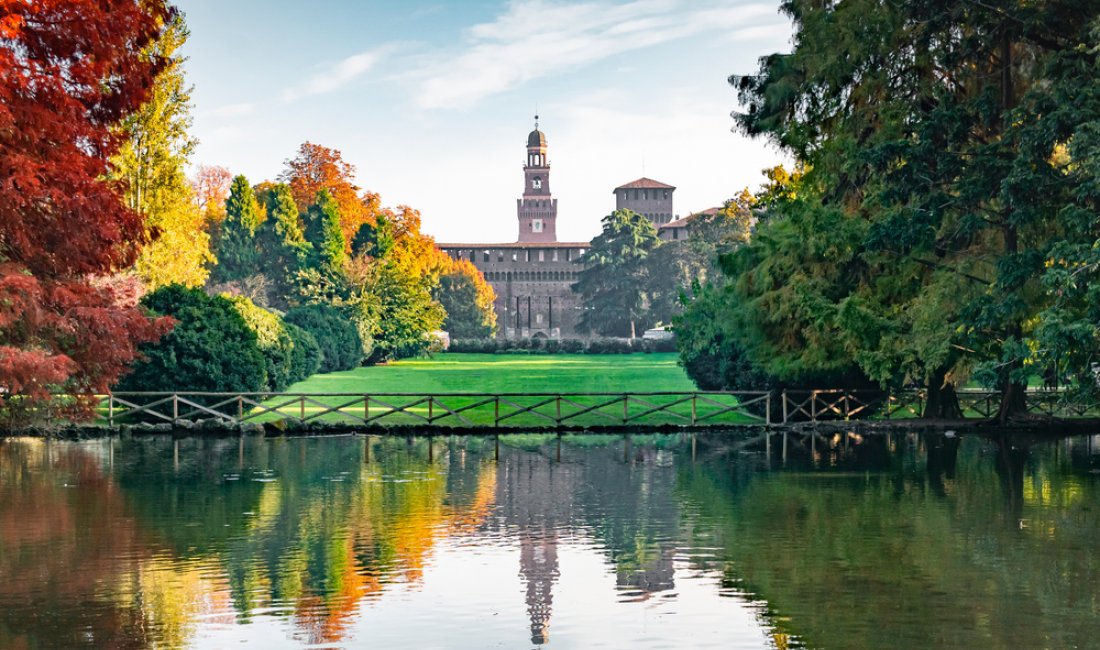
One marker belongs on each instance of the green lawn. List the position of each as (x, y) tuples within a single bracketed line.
[(509, 373), (567, 375)]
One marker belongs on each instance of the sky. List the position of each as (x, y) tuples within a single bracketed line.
[(432, 101)]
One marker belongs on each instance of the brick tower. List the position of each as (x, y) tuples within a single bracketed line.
[(537, 211)]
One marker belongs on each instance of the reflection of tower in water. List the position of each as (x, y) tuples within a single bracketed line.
[(538, 561), (535, 498)]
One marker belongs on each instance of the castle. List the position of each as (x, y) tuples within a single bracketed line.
[(533, 276)]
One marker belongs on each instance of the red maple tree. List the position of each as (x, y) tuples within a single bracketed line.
[(70, 70)]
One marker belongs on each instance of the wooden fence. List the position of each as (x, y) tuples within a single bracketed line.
[(559, 409), (449, 409), (814, 405)]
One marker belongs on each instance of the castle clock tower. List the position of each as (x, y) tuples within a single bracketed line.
[(537, 211)]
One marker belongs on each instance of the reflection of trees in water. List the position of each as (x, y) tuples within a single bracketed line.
[(924, 542), (76, 568), (327, 524)]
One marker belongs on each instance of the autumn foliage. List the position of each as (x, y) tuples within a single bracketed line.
[(70, 71), (316, 168)]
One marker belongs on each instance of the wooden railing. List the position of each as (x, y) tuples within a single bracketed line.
[(516, 410), (840, 404), (446, 409)]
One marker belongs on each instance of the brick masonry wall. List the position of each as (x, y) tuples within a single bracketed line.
[(533, 285)]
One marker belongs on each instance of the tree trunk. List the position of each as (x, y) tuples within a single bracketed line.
[(1013, 400), (943, 401)]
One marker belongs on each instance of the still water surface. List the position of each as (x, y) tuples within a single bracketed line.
[(721, 541)]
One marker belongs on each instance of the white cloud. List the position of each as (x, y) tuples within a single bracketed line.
[(337, 76), (536, 38), (230, 110)]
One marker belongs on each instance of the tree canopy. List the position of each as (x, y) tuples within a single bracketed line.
[(70, 74), (940, 146), (613, 282)]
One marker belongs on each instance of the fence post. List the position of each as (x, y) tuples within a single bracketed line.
[(111, 410), (175, 408), (693, 396), (889, 401), (847, 407), (366, 409), (431, 410), (496, 419), (302, 408), (626, 408), (240, 408), (558, 423), (813, 406), (784, 398), (768, 411)]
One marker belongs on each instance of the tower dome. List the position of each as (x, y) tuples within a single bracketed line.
[(536, 139)]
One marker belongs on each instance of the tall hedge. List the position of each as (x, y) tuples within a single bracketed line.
[(305, 355), (336, 334), (211, 348), (274, 341)]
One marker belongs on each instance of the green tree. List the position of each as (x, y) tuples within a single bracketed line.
[(468, 301), (948, 184), (151, 162), (328, 255), (237, 251), (375, 240), (394, 307), (282, 244), (677, 265), (612, 286)]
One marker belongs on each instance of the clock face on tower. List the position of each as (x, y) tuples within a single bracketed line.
[(536, 183)]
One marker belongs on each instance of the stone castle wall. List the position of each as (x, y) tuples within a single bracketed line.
[(533, 283)]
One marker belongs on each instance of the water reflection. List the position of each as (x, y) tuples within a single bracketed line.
[(847, 541)]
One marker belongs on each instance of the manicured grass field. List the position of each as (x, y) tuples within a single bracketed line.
[(496, 374), (509, 373)]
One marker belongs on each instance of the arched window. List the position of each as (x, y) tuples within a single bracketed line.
[(536, 183)]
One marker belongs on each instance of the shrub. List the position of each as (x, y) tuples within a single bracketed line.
[(305, 355), (473, 346), (210, 349), (610, 346), (335, 334), (274, 341), (657, 345), (571, 346)]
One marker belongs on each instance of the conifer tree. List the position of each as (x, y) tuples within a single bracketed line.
[(323, 232), (282, 244), (238, 254), (613, 283)]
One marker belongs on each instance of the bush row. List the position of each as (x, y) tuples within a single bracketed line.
[(221, 344), (561, 346)]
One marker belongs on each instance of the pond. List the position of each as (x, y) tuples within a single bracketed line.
[(663, 541)]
